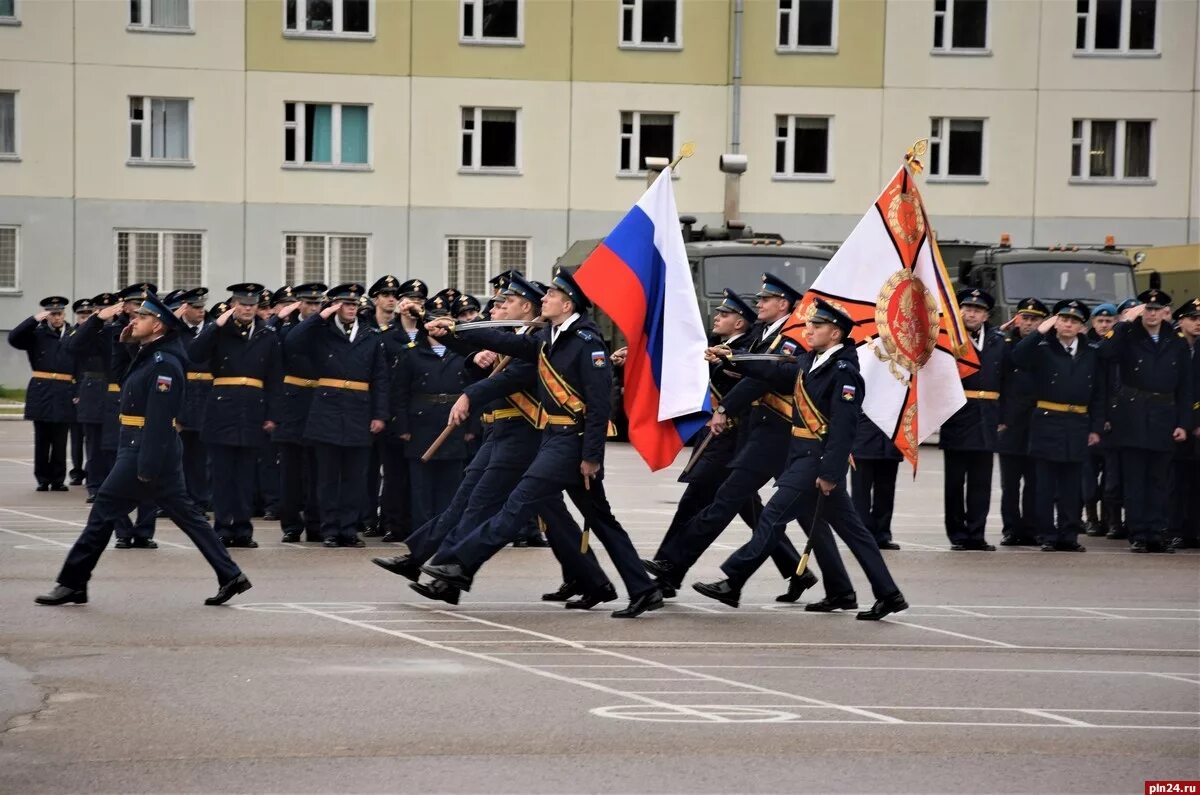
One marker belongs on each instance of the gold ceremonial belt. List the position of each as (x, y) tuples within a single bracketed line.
[(133, 420), (114, 387), (295, 380), (505, 414), (239, 381), (195, 376), (1068, 408), (337, 383), (982, 394), (53, 376), (487, 418), (804, 433), (1196, 406), (555, 419)]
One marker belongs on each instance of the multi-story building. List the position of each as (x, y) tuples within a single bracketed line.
[(213, 141)]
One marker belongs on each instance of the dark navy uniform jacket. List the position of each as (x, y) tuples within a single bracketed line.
[(1191, 448), (1154, 396), (297, 396), (581, 359), (764, 432), (46, 400), (1058, 377), (714, 462), (872, 444), (424, 387), (340, 416), (836, 390), (153, 391), (191, 416), (1016, 400), (973, 427), (234, 415), (91, 374), (99, 339)]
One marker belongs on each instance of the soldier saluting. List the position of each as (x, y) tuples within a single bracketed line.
[(148, 461)]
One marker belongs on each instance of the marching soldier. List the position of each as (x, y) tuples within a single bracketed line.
[(1153, 410), (1068, 382), (91, 381), (828, 393), (873, 480), (574, 388), (244, 355), (968, 438), (51, 391), (1098, 504), (188, 306), (1017, 502), (298, 505), (1184, 520), (349, 408), (147, 467)]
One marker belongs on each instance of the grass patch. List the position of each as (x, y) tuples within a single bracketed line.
[(12, 393)]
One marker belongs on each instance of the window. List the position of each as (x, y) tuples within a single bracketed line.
[(8, 257), (489, 139), (324, 135), (8, 124), (955, 148), (8, 12), (1107, 149), (802, 146), (172, 260), (1115, 26), (332, 259), (645, 135), (807, 24), (329, 17), (471, 261), (651, 23), (494, 21), (959, 24), (159, 14), (158, 129)]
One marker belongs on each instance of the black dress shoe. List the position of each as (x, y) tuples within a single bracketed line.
[(797, 586), (313, 538), (452, 573), (237, 585), (374, 532), (76, 481), (659, 568), (1095, 530), (1139, 546), (1008, 540), (270, 516), (668, 590), (564, 592), (392, 537), (352, 543), (883, 607), (291, 537), (537, 541), (1069, 546), (243, 543), (1049, 547), (145, 543), (1160, 546), (1117, 532), (124, 543), (588, 601), (59, 487), (438, 591), (330, 543), (889, 544), (520, 543), (979, 545), (830, 603), (403, 565), (90, 499), (43, 487), (62, 595), (720, 590), (651, 600)]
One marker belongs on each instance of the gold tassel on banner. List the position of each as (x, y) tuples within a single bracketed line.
[(915, 151)]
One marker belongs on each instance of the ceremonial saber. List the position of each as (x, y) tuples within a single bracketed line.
[(699, 451), (800, 569), (587, 522)]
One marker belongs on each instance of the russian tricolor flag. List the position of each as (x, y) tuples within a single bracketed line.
[(640, 277)]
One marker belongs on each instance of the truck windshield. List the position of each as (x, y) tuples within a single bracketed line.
[(743, 274), (1054, 281)]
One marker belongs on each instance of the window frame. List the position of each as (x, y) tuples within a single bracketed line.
[(794, 32), (477, 142), (148, 27), (1089, 49), (147, 124), (15, 155), (16, 287), (489, 41), (327, 237), (15, 19), (163, 285), (1118, 156), (943, 141), (635, 143), (335, 137), (948, 33), (488, 266), (336, 33), (637, 28), (790, 148)]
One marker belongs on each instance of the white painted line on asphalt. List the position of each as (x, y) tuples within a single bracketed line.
[(1061, 718), (161, 541), (732, 644), (37, 538), (955, 634), (1178, 678), (934, 669), (1110, 615), (639, 679), (963, 612), (701, 608)]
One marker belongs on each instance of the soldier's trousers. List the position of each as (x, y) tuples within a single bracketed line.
[(78, 461), (696, 497), (796, 498), (298, 504), (528, 499), (341, 489), (873, 491), (1112, 488), (395, 502), (1093, 476), (50, 452), (1144, 475), (123, 527), (1184, 518), (707, 526), (1059, 486), (195, 468), (233, 478), (1018, 501), (968, 491), (96, 470), (432, 486), (118, 495)]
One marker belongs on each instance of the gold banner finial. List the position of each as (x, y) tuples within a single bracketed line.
[(914, 152), (687, 150)]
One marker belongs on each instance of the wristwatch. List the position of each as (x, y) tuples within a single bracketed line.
[(720, 409)]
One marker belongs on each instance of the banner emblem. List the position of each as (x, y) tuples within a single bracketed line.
[(906, 316)]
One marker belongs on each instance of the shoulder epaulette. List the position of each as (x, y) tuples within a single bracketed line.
[(584, 335), (158, 357)]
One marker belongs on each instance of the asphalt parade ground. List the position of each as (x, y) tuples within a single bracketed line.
[(1014, 671)]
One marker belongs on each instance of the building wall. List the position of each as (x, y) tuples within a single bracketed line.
[(270, 48)]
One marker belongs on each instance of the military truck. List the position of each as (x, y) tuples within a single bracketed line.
[(1173, 269), (1094, 274)]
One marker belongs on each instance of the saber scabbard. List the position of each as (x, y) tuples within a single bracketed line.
[(812, 533)]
